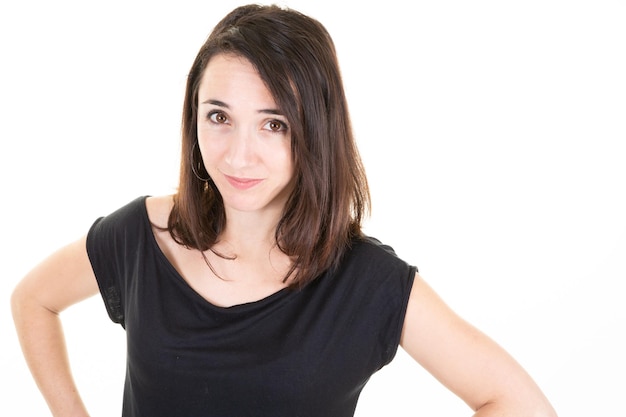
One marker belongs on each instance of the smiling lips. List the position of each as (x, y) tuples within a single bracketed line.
[(242, 183)]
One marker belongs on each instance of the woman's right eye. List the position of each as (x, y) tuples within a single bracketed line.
[(217, 117)]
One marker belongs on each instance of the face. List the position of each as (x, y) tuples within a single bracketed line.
[(243, 136)]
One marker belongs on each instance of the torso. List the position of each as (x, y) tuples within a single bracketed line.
[(307, 352), (240, 281)]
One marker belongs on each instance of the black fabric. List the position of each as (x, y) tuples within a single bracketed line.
[(295, 353)]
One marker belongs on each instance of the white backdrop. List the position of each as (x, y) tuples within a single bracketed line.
[(493, 134)]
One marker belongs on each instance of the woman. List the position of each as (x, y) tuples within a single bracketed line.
[(252, 290)]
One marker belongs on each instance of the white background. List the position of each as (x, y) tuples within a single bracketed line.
[(493, 134)]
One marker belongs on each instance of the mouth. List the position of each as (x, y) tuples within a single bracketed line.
[(242, 183)]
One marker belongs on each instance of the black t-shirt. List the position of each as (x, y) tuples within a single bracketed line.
[(294, 353)]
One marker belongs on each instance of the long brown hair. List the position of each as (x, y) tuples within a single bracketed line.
[(295, 56)]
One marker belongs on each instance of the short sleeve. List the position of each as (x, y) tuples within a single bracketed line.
[(396, 282), (374, 286), (110, 241)]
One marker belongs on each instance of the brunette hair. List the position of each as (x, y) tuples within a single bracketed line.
[(295, 56)]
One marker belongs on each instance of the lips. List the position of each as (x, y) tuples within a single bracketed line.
[(242, 183)]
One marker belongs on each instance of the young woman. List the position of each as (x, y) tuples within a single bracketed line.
[(253, 291)]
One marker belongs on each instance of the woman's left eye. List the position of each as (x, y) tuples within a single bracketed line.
[(276, 126)]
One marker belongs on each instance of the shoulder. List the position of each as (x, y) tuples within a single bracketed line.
[(131, 210), (370, 267), (372, 244), (159, 208), (369, 252), (126, 220)]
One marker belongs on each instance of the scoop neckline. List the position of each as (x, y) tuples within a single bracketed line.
[(240, 307)]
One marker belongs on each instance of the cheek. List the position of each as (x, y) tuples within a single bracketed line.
[(283, 160), (210, 143), (209, 151)]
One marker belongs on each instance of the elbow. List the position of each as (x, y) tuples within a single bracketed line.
[(24, 303), (538, 408), (542, 406), (17, 301), (546, 411)]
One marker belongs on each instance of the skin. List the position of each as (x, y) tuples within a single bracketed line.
[(242, 135)]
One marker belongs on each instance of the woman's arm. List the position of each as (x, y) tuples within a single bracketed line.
[(466, 361), (59, 281)]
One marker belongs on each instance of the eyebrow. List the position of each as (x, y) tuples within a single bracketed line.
[(226, 106)]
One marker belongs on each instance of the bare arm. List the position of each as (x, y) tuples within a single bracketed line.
[(59, 281), (466, 361)]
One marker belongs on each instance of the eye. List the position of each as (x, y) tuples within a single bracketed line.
[(276, 126), (218, 117)]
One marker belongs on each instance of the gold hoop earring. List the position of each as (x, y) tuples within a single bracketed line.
[(199, 164)]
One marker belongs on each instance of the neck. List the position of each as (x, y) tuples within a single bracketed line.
[(248, 233)]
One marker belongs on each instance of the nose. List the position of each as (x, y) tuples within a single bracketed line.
[(240, 149)]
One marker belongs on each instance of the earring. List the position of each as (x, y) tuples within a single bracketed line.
[(195, 169)]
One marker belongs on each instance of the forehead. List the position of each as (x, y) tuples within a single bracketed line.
[(223, 67), (232, 75)]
